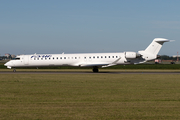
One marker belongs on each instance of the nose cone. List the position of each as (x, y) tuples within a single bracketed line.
[(8, 64)]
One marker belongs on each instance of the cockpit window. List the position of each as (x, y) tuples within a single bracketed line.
[(17, 59)]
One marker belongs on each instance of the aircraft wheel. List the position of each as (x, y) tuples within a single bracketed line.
[(14, 70), (95, 69)]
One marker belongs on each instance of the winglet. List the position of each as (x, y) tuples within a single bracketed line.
[(171, 40)]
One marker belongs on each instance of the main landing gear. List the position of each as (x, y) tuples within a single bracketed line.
[(95, 69)]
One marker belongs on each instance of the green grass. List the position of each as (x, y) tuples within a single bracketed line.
[(89, 96)]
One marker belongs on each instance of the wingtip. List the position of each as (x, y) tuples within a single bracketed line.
[(172, 40)]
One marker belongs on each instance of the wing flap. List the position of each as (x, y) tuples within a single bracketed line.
[(92, 64)]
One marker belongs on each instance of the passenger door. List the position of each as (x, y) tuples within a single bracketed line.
[(26, 60)]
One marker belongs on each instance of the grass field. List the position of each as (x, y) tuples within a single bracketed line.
[(90, 96)]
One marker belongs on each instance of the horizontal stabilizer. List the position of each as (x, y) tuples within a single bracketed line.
[(161, 40)]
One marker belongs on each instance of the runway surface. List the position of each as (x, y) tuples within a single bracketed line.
[(77, 72)]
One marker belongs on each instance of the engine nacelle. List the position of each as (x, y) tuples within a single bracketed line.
[(131, 55)]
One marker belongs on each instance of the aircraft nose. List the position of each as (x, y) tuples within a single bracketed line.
[(8, 64)]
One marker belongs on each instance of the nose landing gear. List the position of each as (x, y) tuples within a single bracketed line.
[(14, 70)]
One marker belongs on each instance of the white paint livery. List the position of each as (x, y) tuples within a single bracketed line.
[(94, 60)]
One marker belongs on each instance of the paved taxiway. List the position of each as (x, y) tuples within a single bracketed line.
[(46, 72)]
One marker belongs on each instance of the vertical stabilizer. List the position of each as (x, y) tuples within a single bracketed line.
[(153, 49), (155, 46)]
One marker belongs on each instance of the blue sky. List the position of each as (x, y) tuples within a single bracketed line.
[(79, 26)]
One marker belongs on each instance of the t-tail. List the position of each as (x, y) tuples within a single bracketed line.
[(151, 52)]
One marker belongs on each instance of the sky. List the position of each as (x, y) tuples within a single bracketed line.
[(80, 26)]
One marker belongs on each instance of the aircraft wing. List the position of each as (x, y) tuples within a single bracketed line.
[(93, 64), (100, 64)]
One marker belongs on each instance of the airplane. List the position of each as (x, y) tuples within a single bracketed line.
[(93, 60)]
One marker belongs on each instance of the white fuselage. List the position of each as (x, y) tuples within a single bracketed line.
[(81, 60), (95, 60)]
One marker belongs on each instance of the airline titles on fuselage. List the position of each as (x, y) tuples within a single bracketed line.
[(41, 56)]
